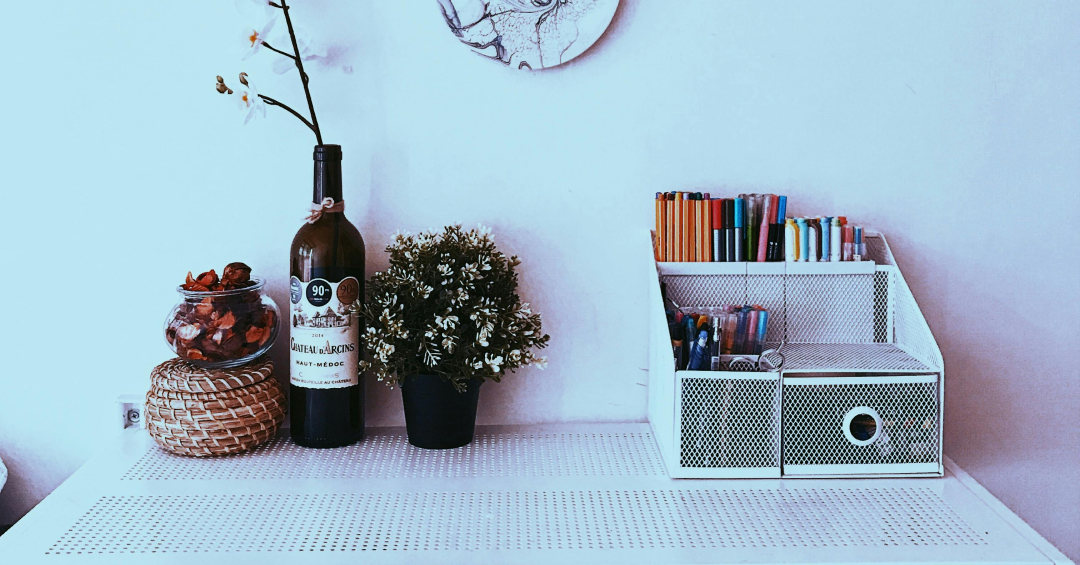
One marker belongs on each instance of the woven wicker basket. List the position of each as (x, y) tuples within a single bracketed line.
[(204, 412)]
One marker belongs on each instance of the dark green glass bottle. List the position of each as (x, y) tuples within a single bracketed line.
[(326, 264)]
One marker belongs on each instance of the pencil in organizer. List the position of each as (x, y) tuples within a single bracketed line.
[(706, 228), (687, 228), (658, 234), (676, 227), (763, 232), (699, 218), (667, 227), (691, 228)]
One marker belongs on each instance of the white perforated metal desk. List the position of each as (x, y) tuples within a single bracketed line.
[(540, 494)]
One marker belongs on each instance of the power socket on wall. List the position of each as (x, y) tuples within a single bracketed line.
[(131, 410)]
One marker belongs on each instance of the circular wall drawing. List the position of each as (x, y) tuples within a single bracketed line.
[(529, 34)]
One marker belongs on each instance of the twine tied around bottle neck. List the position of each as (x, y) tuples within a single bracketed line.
[(320, 208)]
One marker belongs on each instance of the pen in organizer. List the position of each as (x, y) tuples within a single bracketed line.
[(763, 231), (729, 228), (791, 241), (751, 331), (739, 206), (834, 240), (812, 236), (781, 232), (772, 245), (675, 329), (848, 246), (718, 241), (714, 345), (859, 246), (727, 334), (804, 240), (689, 336), (763, 320), (740, 331), (826, 237)]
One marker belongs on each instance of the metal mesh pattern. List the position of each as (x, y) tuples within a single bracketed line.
[(768, 291), (390, 454), (830, 309), (841, 357), (877, 250), (814, 422), (706, 290), (729, 423), (430, 522), (911, 331)]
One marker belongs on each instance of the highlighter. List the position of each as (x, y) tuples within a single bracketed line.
[(811, 227), (790, 241), (717, 220), (763, 321), (834, 240), (763, 233), (804, 241), (826, 237), (727, 334), (860, 247), (740, 332), (751, 332), (740, 217)]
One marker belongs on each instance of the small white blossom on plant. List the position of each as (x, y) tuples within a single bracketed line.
[(254, 38), (494, 362), (248, 99), (308, 52)]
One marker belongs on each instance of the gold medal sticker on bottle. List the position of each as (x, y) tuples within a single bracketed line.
[(324, 341)]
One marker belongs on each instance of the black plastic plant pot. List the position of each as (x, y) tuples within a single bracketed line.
[(437, 416)]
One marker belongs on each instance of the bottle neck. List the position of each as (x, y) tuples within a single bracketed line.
[(327, 180)]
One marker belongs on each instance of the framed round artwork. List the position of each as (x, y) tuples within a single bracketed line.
[(528, 34)]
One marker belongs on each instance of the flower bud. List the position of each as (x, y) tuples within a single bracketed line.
[(220, 80), (222, 88), (243, 79)]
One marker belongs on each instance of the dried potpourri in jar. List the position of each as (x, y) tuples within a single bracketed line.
[(224, 321)]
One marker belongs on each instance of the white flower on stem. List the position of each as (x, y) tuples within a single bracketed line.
[(494, 362), (248, 99), (254, 38), (309, 51)]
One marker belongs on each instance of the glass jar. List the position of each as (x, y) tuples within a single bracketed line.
[(222, 329)]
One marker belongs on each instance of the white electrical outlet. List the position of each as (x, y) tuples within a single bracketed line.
[(131, 410)]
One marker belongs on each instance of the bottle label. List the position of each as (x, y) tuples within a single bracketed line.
[(324, 344)]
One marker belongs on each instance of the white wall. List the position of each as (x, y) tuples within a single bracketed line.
[(952, 127)]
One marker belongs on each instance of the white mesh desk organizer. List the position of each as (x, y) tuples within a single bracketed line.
[(859, 393)]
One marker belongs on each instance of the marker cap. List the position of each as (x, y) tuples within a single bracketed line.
[(717, 213), (739, 204)]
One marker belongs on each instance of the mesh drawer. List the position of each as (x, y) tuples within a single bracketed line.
[(839, 425), (729, 421)]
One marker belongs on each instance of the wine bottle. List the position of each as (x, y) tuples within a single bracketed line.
[(326, 264)]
